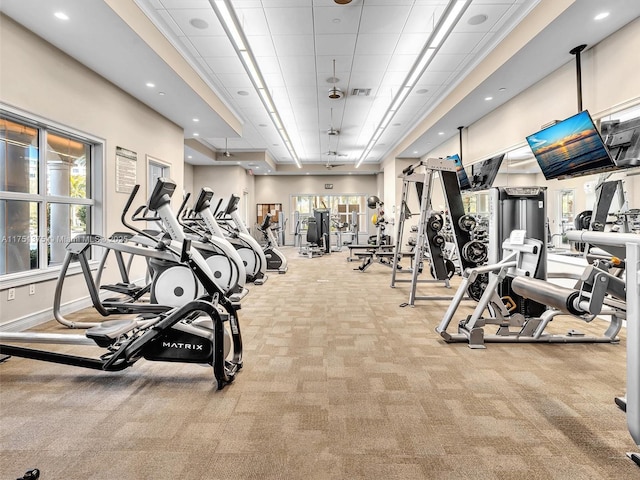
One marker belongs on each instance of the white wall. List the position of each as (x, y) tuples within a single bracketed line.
[(188, 179), (39, 79)]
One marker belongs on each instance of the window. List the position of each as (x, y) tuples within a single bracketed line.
[(46, 194), (340, 206), (156, 170), (566, 213)]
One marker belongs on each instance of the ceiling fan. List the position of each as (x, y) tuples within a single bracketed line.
[(226, 152), (335, 155)]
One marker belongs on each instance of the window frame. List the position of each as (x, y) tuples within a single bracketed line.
[(96, 186), (328, 198)]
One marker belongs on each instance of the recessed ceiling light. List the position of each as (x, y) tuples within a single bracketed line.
[(501, 89), (600, 16), (150, 85), (263, 125), (160, 93), (396, 124), (243, 93), (196, 119), (189, 156), (488, 98), (440, 133), (336, 20), (61, 15), (196, 134), (422, 91), (198, 23), (415, 151), (477, 19)]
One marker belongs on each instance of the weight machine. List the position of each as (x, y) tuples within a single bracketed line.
[(521, 263), (430, 243)]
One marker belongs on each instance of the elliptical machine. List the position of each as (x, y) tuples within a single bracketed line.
[(191, 333), (223, 259), (276, 261), (249, 249), (169, 284)]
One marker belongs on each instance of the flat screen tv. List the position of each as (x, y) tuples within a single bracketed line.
[(463, 180), (485, 172), (570, 148)]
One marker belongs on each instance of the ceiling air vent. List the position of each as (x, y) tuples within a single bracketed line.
[(361, 92)]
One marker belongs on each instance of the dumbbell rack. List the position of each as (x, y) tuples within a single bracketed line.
[(429, 243)]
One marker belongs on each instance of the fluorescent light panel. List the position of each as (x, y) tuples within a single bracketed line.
[(452, 15), (229, 21)]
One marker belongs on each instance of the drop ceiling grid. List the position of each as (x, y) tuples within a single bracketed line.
[(374, 44)]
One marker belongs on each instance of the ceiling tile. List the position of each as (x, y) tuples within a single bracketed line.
[(261, 46), (285, 3), (292, 66), (252, 21), (411, 43), (339, 44), (493, 12), (423, 19), (445, 63), (225, 64), (268, 65), (293, 45), (324, 65), (273, 80), (432, 79), (384, 19), (213, 46), (186, 4), (332, 20), (370, 44), (182, 17), (292, 21), (401, 63), (458, 43), (363, 79), (370, 63), (235, 81)]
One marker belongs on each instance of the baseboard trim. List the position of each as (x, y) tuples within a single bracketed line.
[(43, 316)]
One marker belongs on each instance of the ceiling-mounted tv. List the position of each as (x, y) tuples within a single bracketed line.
[(485, 172), (463, 180), (570, 148)]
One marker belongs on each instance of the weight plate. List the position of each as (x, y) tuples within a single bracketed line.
[(467, 223), (475, 252)]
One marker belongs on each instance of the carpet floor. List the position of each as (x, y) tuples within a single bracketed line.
[(339, 382)]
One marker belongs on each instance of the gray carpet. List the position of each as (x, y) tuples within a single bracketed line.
[(339, 382)]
